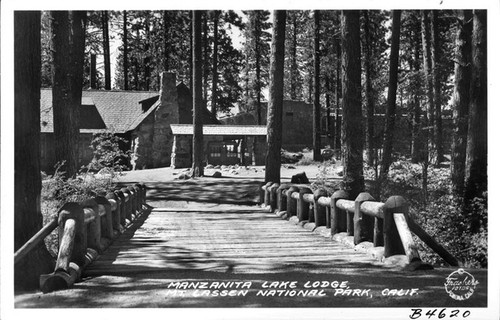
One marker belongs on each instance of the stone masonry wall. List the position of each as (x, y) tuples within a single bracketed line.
[(142, 144), (166, 114)]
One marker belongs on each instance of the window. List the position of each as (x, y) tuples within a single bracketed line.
[(215, 151), (231, 151)]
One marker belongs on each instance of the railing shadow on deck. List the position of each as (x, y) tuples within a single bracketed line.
[(223, 191)]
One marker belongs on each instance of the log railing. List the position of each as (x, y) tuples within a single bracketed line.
[(85, 230), (386, 226)]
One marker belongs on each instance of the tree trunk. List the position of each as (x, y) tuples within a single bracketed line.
[(105, 45), (390, 115), (257, 87), (191, 49), (147, 55), (136, 65), (476, 178), (338, 93), (27, 186), (68, 44), (294, 72), (352, 129), (197, 97), (428, 67), (93, 71), (368, 91), (417, 144), (205, 59), (125, 51), (436, 76), (461, 99), (330, 127), (275, 109), (214, 63), (166, 51), (310, 87), (317, 107)]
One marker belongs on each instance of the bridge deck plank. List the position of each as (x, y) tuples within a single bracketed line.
[(243, 240)]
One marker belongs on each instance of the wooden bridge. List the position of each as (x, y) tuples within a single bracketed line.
[(180, 251)]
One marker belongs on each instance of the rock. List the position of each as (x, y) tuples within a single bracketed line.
[(217, 174), (217, 167), (234, 172), (232, 168), (184, 176), (209, 166), (223, 167), (327, 154), (300, 178), (291, 167), (289, 157), (339, 171)]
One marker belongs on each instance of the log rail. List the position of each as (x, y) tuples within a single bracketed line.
[(387, 226), (85, 230)]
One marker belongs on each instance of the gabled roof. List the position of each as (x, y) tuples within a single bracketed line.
[(220, 130), (117, 109)]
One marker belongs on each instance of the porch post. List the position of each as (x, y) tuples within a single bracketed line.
[(243, 148)]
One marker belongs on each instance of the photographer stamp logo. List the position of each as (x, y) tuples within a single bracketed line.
[(460, 285)]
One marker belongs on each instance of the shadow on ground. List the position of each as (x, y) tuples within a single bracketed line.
[(211, 190), (157, 290)]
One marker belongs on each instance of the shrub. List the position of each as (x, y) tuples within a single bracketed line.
[(108, 154), (324, 177)]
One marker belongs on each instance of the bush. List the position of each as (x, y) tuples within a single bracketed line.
[(326, 170), (108, 154)]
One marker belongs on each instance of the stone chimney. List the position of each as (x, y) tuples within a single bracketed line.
[(166, 114)]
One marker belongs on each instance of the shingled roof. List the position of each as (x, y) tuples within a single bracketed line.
[(118, 109)]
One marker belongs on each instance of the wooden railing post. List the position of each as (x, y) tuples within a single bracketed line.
[(281, 198), (139, 197), (338, 223), (392, 241), (94, 227), (133, 200), (363, 224), (320, 216), (291, 204), (116, 212), (107, 220), (72, 210), (378, 232), (303, 206), (273, 196), (128, 203), (265, 191), (123, 207), (66, 272)]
